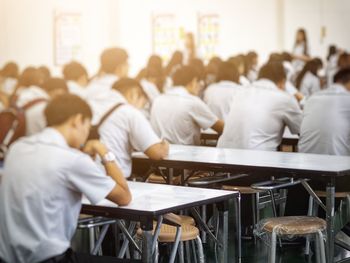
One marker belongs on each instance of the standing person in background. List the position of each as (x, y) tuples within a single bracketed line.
[(77, 78), (308, 81), (9, 75), (300, 50)]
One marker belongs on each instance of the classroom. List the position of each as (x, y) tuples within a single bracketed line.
[(180, 131)]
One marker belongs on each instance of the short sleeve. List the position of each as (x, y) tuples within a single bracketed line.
[(202, 114), (141, 133), (293, 116), (88, 179)]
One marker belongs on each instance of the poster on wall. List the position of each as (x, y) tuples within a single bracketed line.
[(67, 37), (208, 35), (164, 35)]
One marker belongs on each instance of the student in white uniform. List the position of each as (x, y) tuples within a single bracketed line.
[(300, 50), (308, 81), (179, 115), (127, 130), (77, 78), (38, 97), (114, 65), (44, 179), (218, 96), (260, 113), (326, 123), (9, 75)]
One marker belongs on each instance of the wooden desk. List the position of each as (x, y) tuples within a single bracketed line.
[(324, 168), (152, 200)]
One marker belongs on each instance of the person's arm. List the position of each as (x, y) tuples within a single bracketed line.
[(120, 194), (218, 126), (158, 151)]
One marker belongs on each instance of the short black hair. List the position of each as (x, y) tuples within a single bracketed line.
[(125, 84), (184, 76), (74, 71), (55, 84), (342, 76), (112, 58), (228, 71), (273, 71), (63, 107), (30, 77)]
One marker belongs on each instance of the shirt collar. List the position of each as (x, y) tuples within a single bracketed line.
[(266, 84), (52, 136), (179, 90), (339, 88)]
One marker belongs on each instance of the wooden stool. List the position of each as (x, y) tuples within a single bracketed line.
[(295, 226)]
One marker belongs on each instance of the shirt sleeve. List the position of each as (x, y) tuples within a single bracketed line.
[(141, 133), (202, 115), (89, 180), (293, 116)]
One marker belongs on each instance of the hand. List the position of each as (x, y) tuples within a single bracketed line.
[(94, 147)]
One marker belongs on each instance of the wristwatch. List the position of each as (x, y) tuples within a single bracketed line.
[(108, 158)]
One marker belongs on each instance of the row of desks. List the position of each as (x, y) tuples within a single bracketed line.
[(281, 164)]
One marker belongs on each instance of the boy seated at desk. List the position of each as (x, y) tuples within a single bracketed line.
[(44, 178), (126, 129), (179, 115), (77, 78), (260, 113)]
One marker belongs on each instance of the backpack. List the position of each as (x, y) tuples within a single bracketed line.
[(94, 134), (13, 125)]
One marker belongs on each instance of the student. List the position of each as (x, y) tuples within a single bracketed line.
[(77, 78), (44, 73), (239, 62), (211, 70), (308, 81), (251, 66), (114, 65), (38, 97), (44, 179), (149, 83), (175, 62), (300, 50), (260, 113), (218, 96), (126, 129), (332, 63), (179, 115), (326, 123), (9, 75)]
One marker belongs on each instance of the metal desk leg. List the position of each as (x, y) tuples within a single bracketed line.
[(238, 230), (147, 238), (170, 175), (223, 232), (330, 221)]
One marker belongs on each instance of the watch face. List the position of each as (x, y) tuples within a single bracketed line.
[(109, 157)]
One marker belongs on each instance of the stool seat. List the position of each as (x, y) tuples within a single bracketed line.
[(187, 220), (158, 179), (337, 194), (167, 233), (244, 190), (294, 225)]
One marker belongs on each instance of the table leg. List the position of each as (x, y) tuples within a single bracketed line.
[(223, 232), (330, 221), (170, 175), (238, 231), (147, 238)]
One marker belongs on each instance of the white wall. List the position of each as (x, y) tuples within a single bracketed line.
[(312, 15), (26, 30)]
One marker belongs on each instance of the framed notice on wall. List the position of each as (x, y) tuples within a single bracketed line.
[(164, 35), (208, 35), (67, 37)]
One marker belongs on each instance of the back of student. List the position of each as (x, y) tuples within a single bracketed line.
[(179, 115), (259, 113), (218, 95), (326, 124)]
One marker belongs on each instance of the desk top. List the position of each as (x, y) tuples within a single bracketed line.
[(296, 163), (210, 134), (156, 199)]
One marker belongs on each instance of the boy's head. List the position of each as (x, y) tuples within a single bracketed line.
[(132, 92), (55, 87), (115, 61), (228, 71), (275, 72), (76, 72), (343, 77), (187, 76), (72, 116)]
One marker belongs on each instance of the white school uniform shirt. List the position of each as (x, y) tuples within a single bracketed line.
[(126, 130), (298, 50), (76, 89), (178, 116), (35, 116), (326, 123), (218, 97), (258, 117), (243, 80), (150, 89), (40, 196), (310, 84), (9, 85)]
